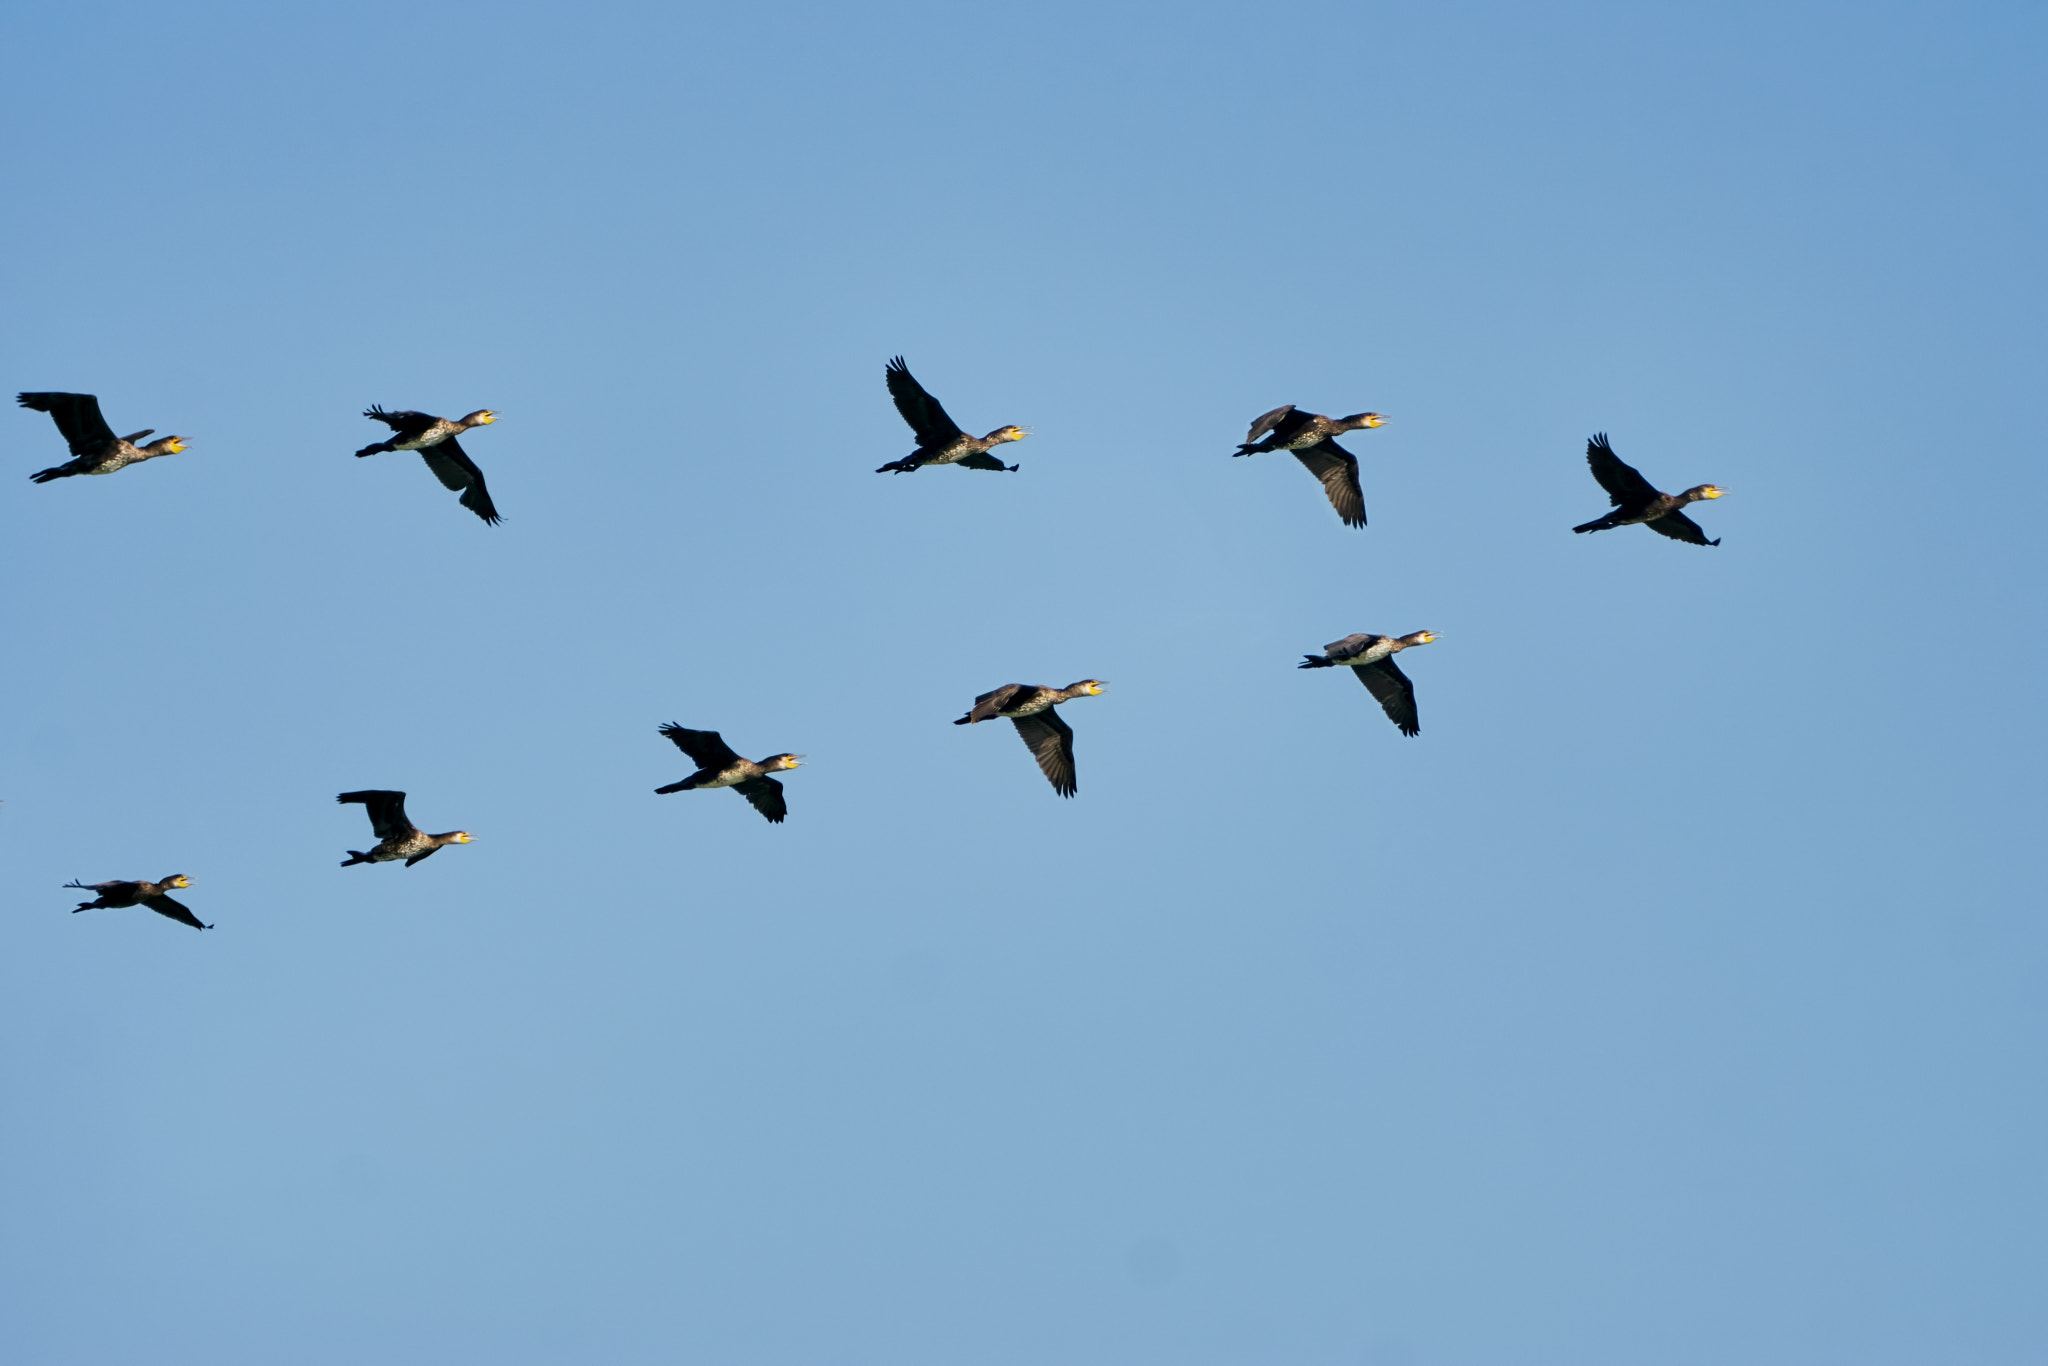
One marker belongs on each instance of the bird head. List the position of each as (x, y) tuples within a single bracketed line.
[(1706, 491), (1088, 687), (776, 763), (1358, 420), (482, 417), (1419, 638), (1002, 434), (177, 880), (167, 445), (462, 837)]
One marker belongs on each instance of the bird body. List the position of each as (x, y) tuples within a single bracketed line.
[(151, 894), (1638, 503), (397, 837), (1030, 708), (1371, 657), (719, 766), (940, 440), (1311, 437), (434, 438), (94, 447)]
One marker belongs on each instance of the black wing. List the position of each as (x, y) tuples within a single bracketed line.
[(991, 703), (77, 417), (1396, 695), (1338, 469), (453, 467), (1051, 742), (386, 810), (704, 747), (982, 460), (1339, 650), (405, 422), (1625, 487), (766, 795), (919, 408), (176, 910), (1680, 527), (1266, 422)]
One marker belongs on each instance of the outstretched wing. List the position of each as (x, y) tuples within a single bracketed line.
[(705, 748), (1051, 742), (1680, 527), (1341, 650), (1338, 469), (77, 417), (1266, 422), (176, 910), (981, 460), (1624, 486), (1395, 694), (386, 811), (766, 795), (405, 421), (990, 704), (919, 408), (453, 467)]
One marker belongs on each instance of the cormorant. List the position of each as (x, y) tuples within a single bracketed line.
[(93, 444), (434, 438), (718, 766), (150, 894), (939, 438), (1029, 707), (397, 837), (1311, 437), (1371, 657), (1635, 501)]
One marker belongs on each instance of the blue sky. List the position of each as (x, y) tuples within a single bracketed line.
[(1673, 997)]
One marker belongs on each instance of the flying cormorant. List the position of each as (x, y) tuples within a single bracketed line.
[(150, 894), (397, 837), (1371, 657), (95, 448), (1311, 437), (434, 438), (1029, 707), (939, 438), (718, 766), (1635, 501)]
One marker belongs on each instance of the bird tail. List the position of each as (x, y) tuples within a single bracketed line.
[(45, 476), (381, 448), (1249, 448), (79, 885), (1316, 662), (683, 786), (965, 720), (907, 465), (356, 856), (1597, 524)]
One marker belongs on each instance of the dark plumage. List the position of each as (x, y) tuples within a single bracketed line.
[(150, 894), (1029, 707), (718, 766), (397, 837), (94, 447), (1371, 657), (434, 438), (1635, 501), (940, 441), (1309, 436)]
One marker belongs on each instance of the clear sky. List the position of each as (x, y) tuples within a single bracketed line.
[(1674, 998)]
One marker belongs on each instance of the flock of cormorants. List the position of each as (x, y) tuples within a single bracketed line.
[(1311, 437)]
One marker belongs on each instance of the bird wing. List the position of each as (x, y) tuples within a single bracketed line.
[(453, 467), (992, 703), (1396, 695), (386, 811), (919, 408), (1051, 742), (766, 795), (405, 420), (1623, 484), (77, 417), (704, 747), (981, 460), (176, 910), (1680, 527), (1266, 422), (1340, 650), (1338, 469), (101, 887)]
